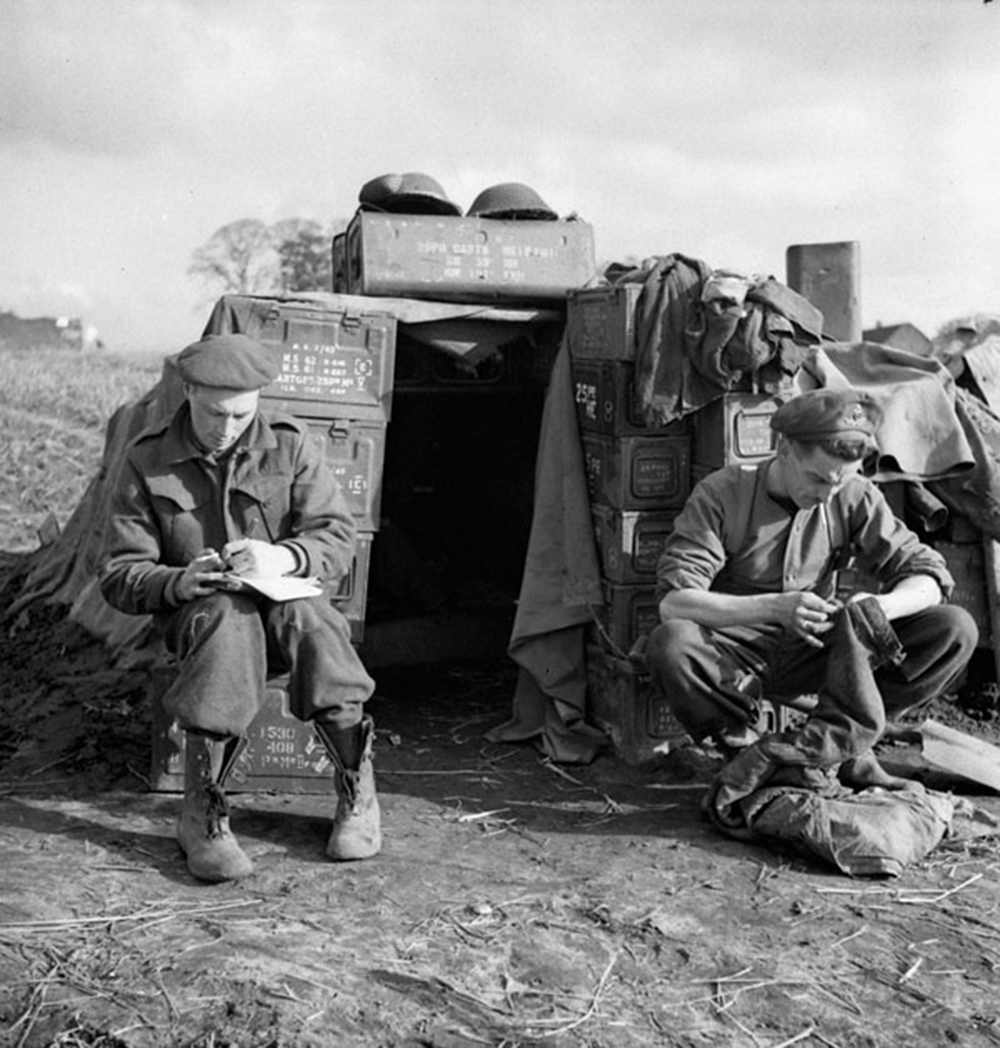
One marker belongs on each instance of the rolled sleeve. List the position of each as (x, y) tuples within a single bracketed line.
[(693, 554), (890, 550)]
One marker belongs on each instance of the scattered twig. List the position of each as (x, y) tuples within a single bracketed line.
[(951, 891), (897, 892), (807, 1032), (475, 816), (595, 1001), (551, 766), (434, 771), (67, 923), (848, 938)]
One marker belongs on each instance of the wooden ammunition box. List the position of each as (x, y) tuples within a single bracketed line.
[(629, 542), (332, 362), (606, 401), (631, 473), (354, 449), (629, 611), (455, 259), (600, 322), (622, 701), (282, 753), (734, 428)]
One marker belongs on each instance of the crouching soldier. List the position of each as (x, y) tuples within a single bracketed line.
[(748, 602), (223, 490)]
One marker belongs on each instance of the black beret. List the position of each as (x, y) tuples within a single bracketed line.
[(228, 362), (828, 414)]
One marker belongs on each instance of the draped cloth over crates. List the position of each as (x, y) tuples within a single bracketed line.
[(470, 332), (560, 587), (933, 433), (700, 333)]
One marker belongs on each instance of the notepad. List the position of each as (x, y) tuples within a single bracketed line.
[(275, 587)]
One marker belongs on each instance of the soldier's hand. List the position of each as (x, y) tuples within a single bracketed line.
[(807, 615), (201, 577), (252, 557)]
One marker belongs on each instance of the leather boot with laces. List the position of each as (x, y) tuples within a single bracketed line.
[(357, 829), (213, 853)]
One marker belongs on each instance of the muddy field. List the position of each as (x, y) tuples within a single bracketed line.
[(515, 902)]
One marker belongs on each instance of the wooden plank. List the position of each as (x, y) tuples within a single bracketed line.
[(961, 754)]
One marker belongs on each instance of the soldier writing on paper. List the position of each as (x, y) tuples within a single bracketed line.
[(221, 492), (748, 602)]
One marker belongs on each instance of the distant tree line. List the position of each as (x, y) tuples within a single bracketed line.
[(250, 257)]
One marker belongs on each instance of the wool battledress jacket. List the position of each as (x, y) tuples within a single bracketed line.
[(733, 537), (172, 502)]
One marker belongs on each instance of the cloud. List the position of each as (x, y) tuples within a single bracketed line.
[(132, 129)]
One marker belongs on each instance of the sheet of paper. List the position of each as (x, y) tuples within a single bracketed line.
[(278, 587)]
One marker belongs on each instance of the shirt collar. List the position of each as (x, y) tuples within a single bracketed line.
[(180, 445)]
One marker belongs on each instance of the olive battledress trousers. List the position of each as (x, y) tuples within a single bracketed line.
[(704, 673), (226, 645)]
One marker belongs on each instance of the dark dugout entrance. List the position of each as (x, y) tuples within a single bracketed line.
[(457, 498)]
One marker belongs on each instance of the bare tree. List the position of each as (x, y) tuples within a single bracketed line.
[(249, 257), (238, 258), (304, 253)]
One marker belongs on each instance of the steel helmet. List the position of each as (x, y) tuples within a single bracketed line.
[(409, 194), (511, 200)]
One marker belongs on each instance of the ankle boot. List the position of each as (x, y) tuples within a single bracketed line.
[(203, 833), (357, 830)]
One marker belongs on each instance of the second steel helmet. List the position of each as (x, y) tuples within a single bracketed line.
[(412, 193), (511, 200)]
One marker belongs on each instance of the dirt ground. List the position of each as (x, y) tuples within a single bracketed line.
[(515, 902)]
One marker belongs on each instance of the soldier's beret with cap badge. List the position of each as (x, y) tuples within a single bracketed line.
[(828, 414), (228, 362)]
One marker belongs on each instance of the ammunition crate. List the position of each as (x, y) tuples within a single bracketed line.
[(629, 543), (606, 401), (967, 563), (622, 702), (637, 472), (455, 259), (283, 753), (332, 361), (354, 449), (629, 611), (734, 428), (600, 322)]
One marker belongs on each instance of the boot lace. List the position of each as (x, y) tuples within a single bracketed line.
[(216, 810)]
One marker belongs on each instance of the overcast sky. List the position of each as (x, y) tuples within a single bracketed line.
[(130, 130)]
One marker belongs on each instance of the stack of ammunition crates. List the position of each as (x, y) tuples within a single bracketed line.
[(337, 377), (638, 479)]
